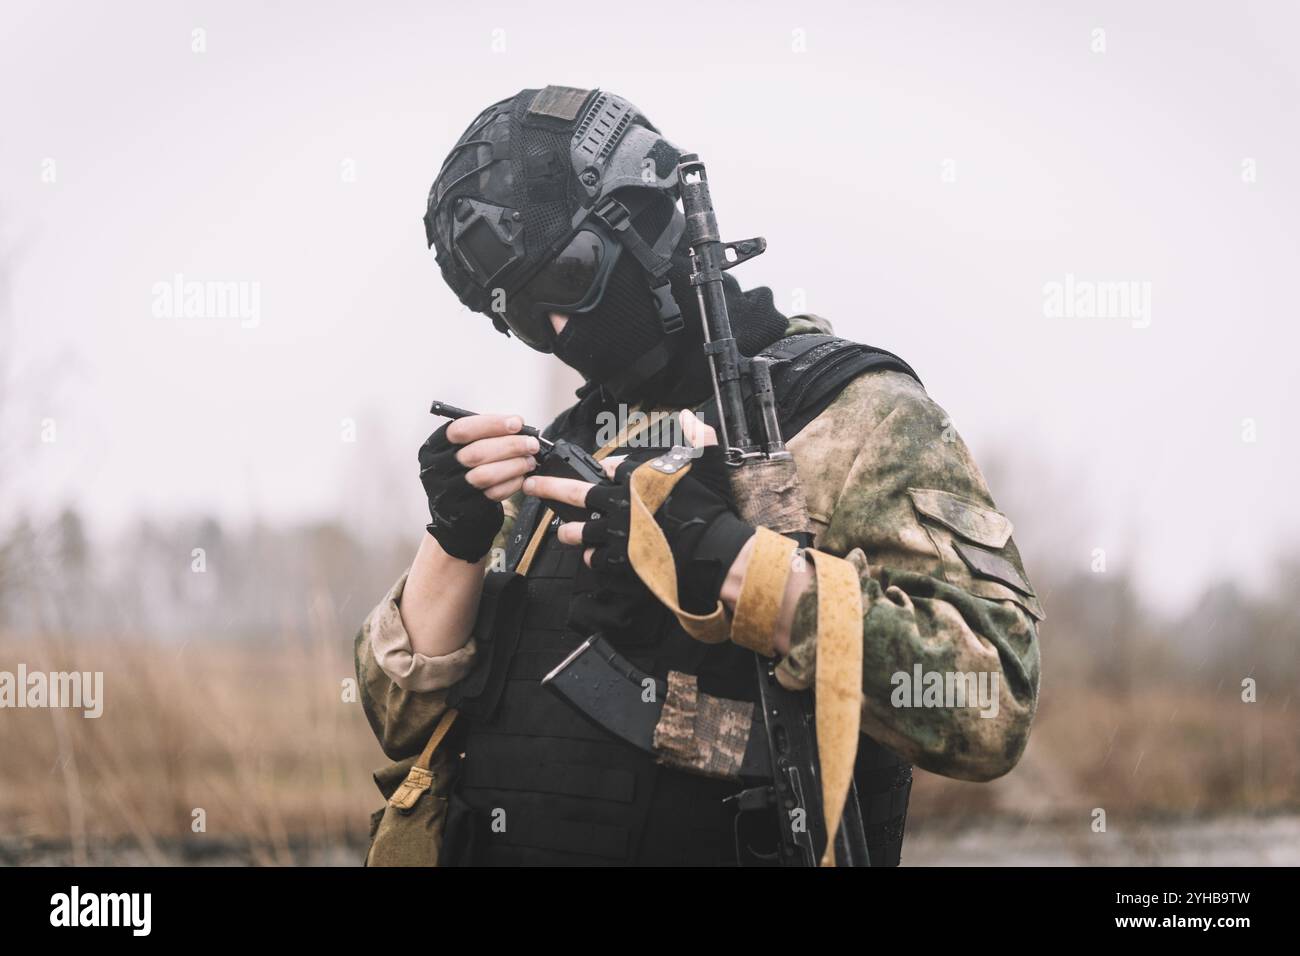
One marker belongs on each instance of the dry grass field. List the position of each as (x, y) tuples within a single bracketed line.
[(262, 741)]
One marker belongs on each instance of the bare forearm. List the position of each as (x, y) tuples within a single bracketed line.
[(440, 600), (796, 584), (467, 468)]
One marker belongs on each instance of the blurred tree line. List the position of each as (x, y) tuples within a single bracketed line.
[(1103, 631), (199, 579), (1100, 631), (189, 579)]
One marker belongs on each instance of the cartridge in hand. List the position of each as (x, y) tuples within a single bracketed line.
[(558, 459)]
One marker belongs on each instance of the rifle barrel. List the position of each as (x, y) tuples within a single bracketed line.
[(707, 261)]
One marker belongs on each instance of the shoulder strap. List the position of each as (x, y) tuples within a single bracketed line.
[(810, 369), (521, 539), (419, 778)]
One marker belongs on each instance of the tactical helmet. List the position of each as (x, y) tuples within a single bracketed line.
[(540, 198)]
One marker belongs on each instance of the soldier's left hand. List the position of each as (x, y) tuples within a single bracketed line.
[(698, 519)]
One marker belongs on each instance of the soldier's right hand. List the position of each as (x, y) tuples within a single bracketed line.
[(468, 467)]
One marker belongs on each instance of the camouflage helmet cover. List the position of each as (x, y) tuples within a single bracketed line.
[(528, 172)]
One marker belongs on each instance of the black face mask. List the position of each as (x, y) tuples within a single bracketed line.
[(621, 346), (620, 343)]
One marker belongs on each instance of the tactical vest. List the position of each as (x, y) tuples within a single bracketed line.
[(542, 785)]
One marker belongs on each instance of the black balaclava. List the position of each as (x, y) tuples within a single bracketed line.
[(601, 343), (624, 326)]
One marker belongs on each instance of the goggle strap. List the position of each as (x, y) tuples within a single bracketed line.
[(614, 215)]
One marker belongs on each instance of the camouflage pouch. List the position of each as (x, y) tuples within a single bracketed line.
[(409, 830)]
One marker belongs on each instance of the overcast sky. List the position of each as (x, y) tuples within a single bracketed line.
[(923, 173)]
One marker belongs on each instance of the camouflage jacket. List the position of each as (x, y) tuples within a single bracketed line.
[(949, 627)]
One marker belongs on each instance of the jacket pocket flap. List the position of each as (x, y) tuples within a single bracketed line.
[(966, 518), (989, 564)]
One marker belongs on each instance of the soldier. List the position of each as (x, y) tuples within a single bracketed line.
[(554, 216)]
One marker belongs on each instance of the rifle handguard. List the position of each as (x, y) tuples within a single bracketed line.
[(769, 495)]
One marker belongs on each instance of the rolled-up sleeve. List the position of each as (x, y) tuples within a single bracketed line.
[(403, 692), (408, 668)]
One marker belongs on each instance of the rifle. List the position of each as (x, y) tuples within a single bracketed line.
[(779, 763), (766, 484)]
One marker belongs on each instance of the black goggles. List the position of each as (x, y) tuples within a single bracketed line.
[(573, 281)]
